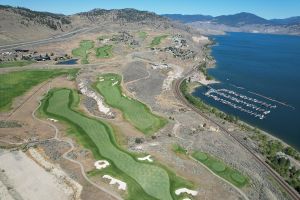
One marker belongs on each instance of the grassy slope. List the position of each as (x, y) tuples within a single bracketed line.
[(134, 111), (15, 84), (104, 51), (82, 51), (154, 180), (17, 63), (218, 167), (157, 40), (142, 35)]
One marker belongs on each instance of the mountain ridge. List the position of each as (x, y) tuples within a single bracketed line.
[(249, 18)]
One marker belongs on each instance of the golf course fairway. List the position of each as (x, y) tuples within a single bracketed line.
[(153, 179), (137, 113)]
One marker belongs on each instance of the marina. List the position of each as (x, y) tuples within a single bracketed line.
[(239, 102)]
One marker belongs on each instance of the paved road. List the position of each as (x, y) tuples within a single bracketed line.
[(48, 40), (291, 191)]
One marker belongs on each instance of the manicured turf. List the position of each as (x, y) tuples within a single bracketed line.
[(179, 149), (15, 84), (218, 167), (152, 179), (17, 63), (137, 113), (142, 35), (82, 51), (157, 40), (104, 51)]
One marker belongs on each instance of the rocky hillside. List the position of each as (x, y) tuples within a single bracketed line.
[(22, 24)]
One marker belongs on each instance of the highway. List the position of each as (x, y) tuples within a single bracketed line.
[(47, 40), (291, 191)]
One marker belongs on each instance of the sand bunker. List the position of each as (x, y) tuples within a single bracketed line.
[(115, 83), (185, 190), (122, 185), (186, 199), (101, 107), (101, 164), (53, 120), (146, 158)]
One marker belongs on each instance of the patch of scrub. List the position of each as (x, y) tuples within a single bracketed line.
[(82, 51), (75, 188), (15, 84), (185, 190), (153, 180), (89, 93), (32, 181), (121, 185), (175, 73), (137, 113), (104, 51), (219, 168)]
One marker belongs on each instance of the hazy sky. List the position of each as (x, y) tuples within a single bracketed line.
[(264, 8)]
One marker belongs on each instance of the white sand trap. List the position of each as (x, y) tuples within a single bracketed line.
[(122, 185), (146, 158), (185, 190), (186, 199), (101, 164), (53, 120), (101, 107), (115, 83)]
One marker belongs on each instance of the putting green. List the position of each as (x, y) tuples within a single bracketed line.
[(157, 40), (238, 177), (137, 113), (15, 84), (219, 168), (153, 180), (200, 156), (104, 51), (142, 35), (82, 51)]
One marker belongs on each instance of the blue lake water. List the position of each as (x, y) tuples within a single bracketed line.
[(258, 73), (68, 62)]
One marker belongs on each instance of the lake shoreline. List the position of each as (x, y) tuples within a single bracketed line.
[(212, 64)]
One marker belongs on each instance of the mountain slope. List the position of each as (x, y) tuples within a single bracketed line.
[(22, 24), (188, 18), (241, 22)]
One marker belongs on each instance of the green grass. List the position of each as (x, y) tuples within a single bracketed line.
[(219, 168), (179, 149), (17, 63), (82, 51), (157, 40), (15, 84), (145, 181), (104, 51), (143, 35), (137, 113)]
